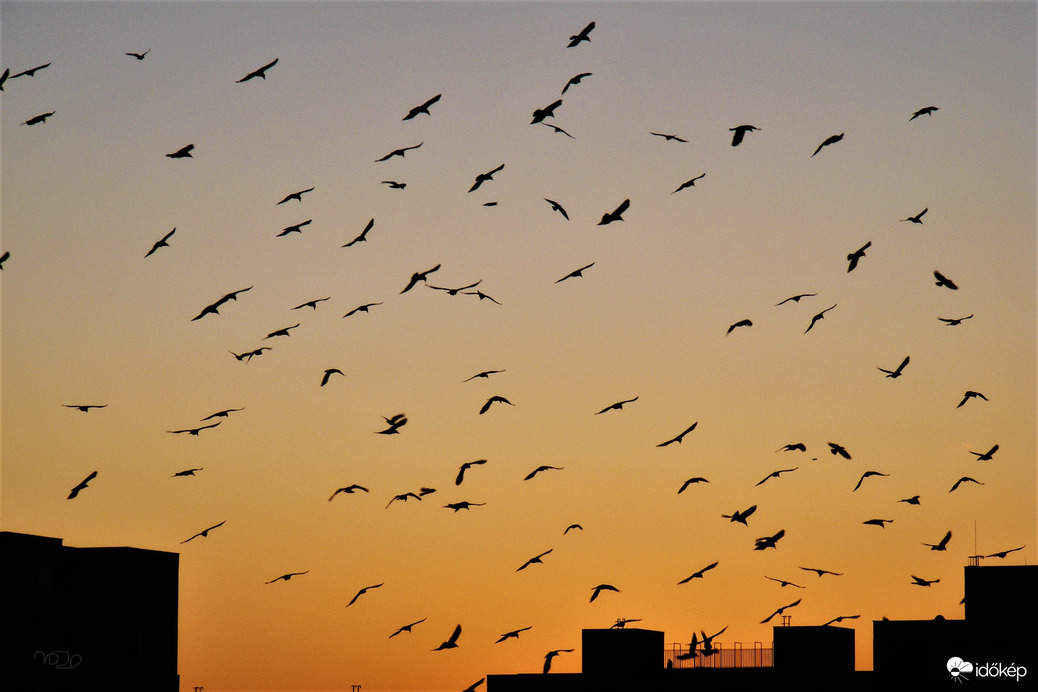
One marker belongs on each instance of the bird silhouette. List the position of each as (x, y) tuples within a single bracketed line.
[(360, 308), (942, 280), (31, 72), (781, 610), (424, 108), (740, 323), (484, 177), (918, 581), (964, 479), (830, 140), (535, 560), (868, 474), (328, 374), (914, 500), (194, 431), (394, 184), (465, 467), (571, 527), (286, 577), (918, 218), (37, 119), (954, 321), (766, 542), (204, 533), (514, 634), (740, 133), (616, 215), (407, 628), (298, 228), (881, 523), (599, 589), (261, 72), (349, 489), (403, 498), (897, 372), (418, 276), (463, 505), (542, 468), (575, 273), (835, 449), (310, 303), (363, 234), (494, 400), (222, 414), (689, 183), (182, 152), (454, 291), (552, 654), (942, 545), (971, 395), (398, 152), (575, 79), (82, 485), (547, 112), (841, 618), (796, 298), (985, 456), (855, 256), (783, 583), (821, 572), (794, 447), (284, 331), (582, 36), (680, 436), (699, 574), (617, 406), (3, 78), (139, 56), (481, 295), (298, 196), (85, 408), (742, 516), (817, 317), (485, 375), (669, 138), (1002, 554), (775, 474), (361, 593), (395, 423), (691, 481), (557, 207), (186, 472), (161, 243), (929, 110), (3, 258), (558, 130)]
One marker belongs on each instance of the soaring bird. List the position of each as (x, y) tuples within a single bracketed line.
[(775, 474), (558, 130), (395, 423), (462, 505), (403, 498), (599, 589), (465, 467), (575, 273), (536, 560), (942, 545), (740, 323), (680, 436), (794, 447), (821, 572), (571, 527), (286, 577), (139, 56), (742, 516), (986, 456), (161, 243), (855, 256), (205, 532), (514, 634), (82, 485), (691, 481), (768, 541), (552, 654), (484, 177), (830, 140), (617, 406), (582, 36), (485, 375), (918, 218), (492, 400), (361, 308), (914, 500), (689, 183), (954, 321), (36, 119), (194, 431), (542, 468), (881, 523), (699, 574), (222, 414), (398, 152), (669, 138), (818, 317), (3, 258), (923, 111), (407, 628), (261, 72), (454, 291), (394, 184), (740, 133), (1002, 554), (841, 618), (575, 79), (835, 449), (780, 611), (547, 112), (350, 489), (897, 372), (85, 408), (328, 374), (424, 108), (796, 298), (783, 583), (186, 472), (868, 474), (971, 395), (616, 215), (418, 276), (31, 72), (281, 332), (557, 207), (298, 228), (311, 303), (182, 152), (363, 234), (918, 581), (481, 295), (298, 196), (361, 593), (943, 280), (964, 479)]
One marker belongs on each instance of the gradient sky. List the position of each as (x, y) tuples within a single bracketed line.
[(87, 319)]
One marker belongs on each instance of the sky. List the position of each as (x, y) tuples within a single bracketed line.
[(89, 319)]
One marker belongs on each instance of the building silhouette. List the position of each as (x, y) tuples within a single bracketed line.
[(86, 618)]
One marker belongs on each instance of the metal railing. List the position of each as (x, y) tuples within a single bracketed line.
[(725, 656)]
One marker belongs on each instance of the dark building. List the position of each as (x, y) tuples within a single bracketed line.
[(86, 618)]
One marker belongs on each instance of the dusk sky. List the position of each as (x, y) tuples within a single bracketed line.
[(88, 319)]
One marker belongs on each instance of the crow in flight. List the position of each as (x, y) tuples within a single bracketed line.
[(835, 449), (3, 258), (986, 456), (690, 481), (689, 183), (783, 582), (222, 414), (286, 577), (942, 280), (418, 276), (30, 72), (298, 228), (552, 654), (818, 317), (964, 479), (740, 133), (855, 256), (780, 611), (796, 298), (582, 36), (42, 117), (454, 291), (85, 408), (796, 446), (547, 112), (896, 373), (841, 618), (82, 485), (361, 308), (483, 177), (952, 321), (205, 532), (740, 323), (363, 234), (970, 395), (914, 500), (536, 560), (492, 400), (462, 505), (328, 375), (407, 628), (820, 572), (424, 108), (403, 498), (917, 581), (942, 545), (1002, 554), (161, 243), (185, 472), (575, 80), (575, 273), (740, 516), (194, 431), (558, 129), (680, 436), (281, 332), (482, 296), (599, 589), (139, 56), (699, 574), (868, 474), (768, 541), (669, 138), (617, 406), (918, 218), (542, 468), (923, 111), (465, 467), (311, 303), (361, 593), (881, 523), (485, 375), (350, 489), (182, 153), (571, 527), (395, 423), (298, 196), (616, 215), (398, 152), (513, 634), (261, 72), (831, 140), (394, 184), (775, 474), (557, 207)]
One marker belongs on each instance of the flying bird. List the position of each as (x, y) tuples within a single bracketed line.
[(350, 489), (82, 485), (582, 36), (953, 321), (841, 618), (817, 317), (403, 498), (394, 184), (261, 72), (31, 72), (465, 467), (85, 408), (454, 291), (855, 256), (918, 218), (328, 374), (552, 654), (185, 472), (942, 545), (514, 634), (363, 234), (1002, 554), (462, 505), (205, 532), (881, 523), (424, 108), (691, 481), (558, 129), (542, 468), (831, 140), (942, 280), (286, 577), (768, 541), (182, 153), (222, 414), (3, 258), (484, 177), (194, 431), (398, 152), (161, 243), (139, 56), (407, 628), (740, 323), (361, 308), (616, 215), (36, 119), (918, 581), (821, 572), (617, 406), (669, 138), (575, 79), (699, 574), (742, 516), (298, 196), (485, 375), (923, 111), (914, 500), (3, 78), (783, 583), (575, 273), (835, 449), (780, 611), (418, 276), (964, 479), (536, 560), (599, 589), (679, 436), (689, 183), (547, 112), (796, 298), (361, 593), (557, 207), (868, 474), (794, 447), (971, 395), (492, 400), (281, 332), (897, 372), (395, 423), (298, 228), (571, 527), (310, 303), (741, 132), (985, 456), (482, 296), (775, 474)]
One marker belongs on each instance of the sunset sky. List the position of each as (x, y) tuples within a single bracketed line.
[(88, 319)]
